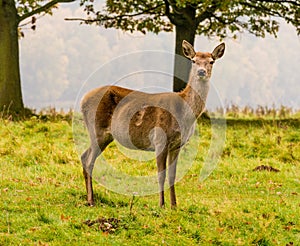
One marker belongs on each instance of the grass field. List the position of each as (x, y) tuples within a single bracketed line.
[(42, 193)]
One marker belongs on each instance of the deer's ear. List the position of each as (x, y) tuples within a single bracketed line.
[(218, 51), (188, 49)]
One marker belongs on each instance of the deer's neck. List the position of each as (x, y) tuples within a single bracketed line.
[(195, 94)]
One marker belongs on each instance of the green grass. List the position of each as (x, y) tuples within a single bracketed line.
[(42, 193)]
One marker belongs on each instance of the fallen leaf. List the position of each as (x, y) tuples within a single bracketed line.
[(65, 218), (217, 212), (33, 229), (220, 230), (179, 228)]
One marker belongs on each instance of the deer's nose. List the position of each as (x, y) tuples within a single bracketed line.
[(201, 72)]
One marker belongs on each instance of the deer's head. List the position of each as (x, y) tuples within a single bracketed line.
[(202, 61)]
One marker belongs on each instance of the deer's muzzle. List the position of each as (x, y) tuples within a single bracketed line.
[(201, 72)]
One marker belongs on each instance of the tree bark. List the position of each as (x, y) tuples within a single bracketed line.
[(182, 66), (10, 84)]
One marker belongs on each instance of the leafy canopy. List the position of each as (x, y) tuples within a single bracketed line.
[(30, 8), (220, 18)]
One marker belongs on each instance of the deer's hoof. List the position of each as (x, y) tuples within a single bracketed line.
[(91, 204), (162, 206)]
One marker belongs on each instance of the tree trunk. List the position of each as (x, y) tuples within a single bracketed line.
[(10, 85), (182, 66)]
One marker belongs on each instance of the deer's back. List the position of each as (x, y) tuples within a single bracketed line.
[(137, 119)]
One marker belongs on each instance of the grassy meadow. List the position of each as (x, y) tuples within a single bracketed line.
[(43, 198)]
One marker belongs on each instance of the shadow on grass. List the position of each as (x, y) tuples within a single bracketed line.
[(101, 199)]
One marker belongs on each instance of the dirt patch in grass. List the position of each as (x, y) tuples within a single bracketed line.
[(108, 225), (266, 168)]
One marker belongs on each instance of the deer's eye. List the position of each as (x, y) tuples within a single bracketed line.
[(193, 61), (211, 62)]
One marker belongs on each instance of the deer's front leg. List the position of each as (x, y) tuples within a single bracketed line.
[(161, 172), (173, 157)]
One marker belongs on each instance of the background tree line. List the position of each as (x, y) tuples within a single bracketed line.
[(187, 18)]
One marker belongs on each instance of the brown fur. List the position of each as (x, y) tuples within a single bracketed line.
[(161, 122)]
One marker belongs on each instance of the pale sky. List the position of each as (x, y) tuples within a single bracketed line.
[(60, 58)]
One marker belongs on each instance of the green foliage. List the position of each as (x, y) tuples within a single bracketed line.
[(42, 193), (30, 8), (210, 17), (27, 6), (130, 15)]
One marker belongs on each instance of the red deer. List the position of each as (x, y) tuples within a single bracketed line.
[(160, 122)]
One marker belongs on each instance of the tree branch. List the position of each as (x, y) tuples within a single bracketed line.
[(223, 21), (205, 15), (43, 8), (279, 1), (168, 12), (108, 17), (86, 21), (264, 9), (30, 21)]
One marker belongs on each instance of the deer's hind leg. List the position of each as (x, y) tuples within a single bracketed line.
[(88, 159)]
